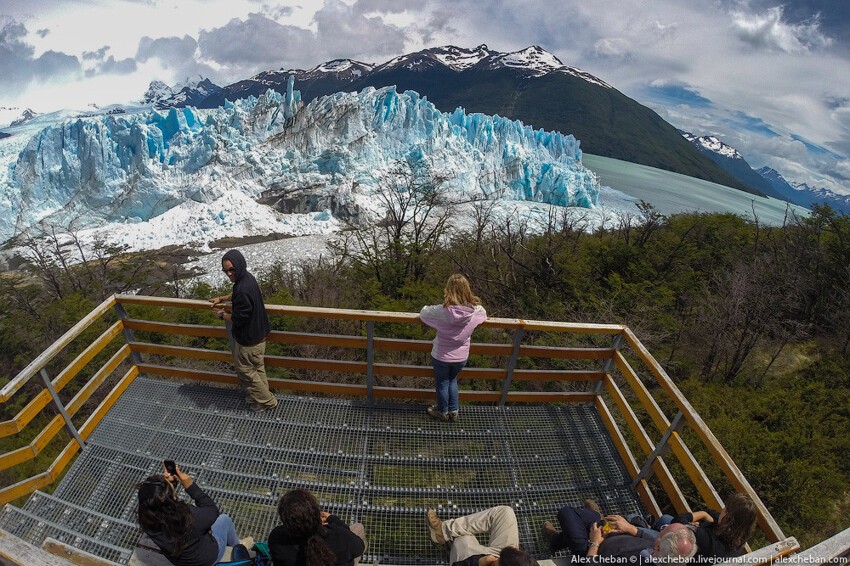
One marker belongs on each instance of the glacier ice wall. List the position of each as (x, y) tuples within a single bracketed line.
[(133, 167)]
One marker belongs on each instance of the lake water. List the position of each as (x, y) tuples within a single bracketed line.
[(671, 193)]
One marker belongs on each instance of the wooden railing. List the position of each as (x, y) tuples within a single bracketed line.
[(617, 390)]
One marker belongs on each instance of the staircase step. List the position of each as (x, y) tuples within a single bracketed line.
[(35, 529)]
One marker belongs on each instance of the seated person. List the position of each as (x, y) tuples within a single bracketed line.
[(188, 535), (673, 544), (575, 523), (723, 534), (498, 522), (308, 536)]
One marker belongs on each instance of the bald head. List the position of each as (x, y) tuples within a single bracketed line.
[(675, 541)]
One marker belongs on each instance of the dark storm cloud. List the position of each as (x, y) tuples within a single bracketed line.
[(340, 26), (112, 67), (95, 55), (42, 33), (256, 43), (168, 49), (18, 67)]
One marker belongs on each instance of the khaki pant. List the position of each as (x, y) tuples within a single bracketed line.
[(499, 522), (359, 530), (251, 371)]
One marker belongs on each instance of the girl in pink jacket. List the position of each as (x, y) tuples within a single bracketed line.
[(454, 322)]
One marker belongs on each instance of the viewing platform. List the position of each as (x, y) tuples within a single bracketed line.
[(552, 414)]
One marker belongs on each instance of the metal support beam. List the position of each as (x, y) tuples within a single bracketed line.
[(660, 449), (129, 337), (370, 360), (606, 366), (72, 430), (506, 385)]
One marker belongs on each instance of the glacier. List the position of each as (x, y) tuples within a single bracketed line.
[(332, 154)]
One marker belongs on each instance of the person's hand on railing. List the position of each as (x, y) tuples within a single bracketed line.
[(323, 515), (184, 479)]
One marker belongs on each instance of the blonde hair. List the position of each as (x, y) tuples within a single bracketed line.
[(458, 292)]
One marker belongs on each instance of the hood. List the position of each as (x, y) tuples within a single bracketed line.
[(238, 261), (460, 313)]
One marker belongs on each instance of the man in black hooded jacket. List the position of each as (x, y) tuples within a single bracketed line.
[(250, 328)]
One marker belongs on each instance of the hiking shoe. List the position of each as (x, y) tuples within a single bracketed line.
[(436, 414), (257, 408), (435, 525), (549, 530), (453, 416), (592, 505)]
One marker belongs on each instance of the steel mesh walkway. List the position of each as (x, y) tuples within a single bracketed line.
[(381, 464)]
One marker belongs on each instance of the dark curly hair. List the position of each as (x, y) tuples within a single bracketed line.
[(161, 512), (511, 556), (737, 524), (301, 516)]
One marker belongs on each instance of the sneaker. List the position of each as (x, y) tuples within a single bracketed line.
[(257, 408), (453, 416), (436, 414), (549, 530), (592, 505), (435, 525)]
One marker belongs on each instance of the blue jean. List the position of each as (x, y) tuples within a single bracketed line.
[(224, 534), (575, 523), (445, 378)]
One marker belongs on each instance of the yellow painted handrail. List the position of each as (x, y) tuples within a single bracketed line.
[(611, 356)]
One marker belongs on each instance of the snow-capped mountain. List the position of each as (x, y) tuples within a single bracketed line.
[(530, 85), (731, 160), (803, 194), (187, 93), (147, 175), (14, 116)]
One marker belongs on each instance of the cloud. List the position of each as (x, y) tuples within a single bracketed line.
[(19, 67), (167, 49), (255, 43), (768, 31), (339, 26), (112, 67)]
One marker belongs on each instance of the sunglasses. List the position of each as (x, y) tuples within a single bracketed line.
[(230, 271)]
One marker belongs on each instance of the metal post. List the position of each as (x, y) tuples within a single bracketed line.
[(61, 408), (370, 359), (128, 334), (520, 332), (606, 367), (661, 449)]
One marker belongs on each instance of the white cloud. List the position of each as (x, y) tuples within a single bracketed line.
[(769, 31)]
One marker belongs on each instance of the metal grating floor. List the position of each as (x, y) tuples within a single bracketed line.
[(382, 465)]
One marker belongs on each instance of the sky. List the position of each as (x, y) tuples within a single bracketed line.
[(770, 78)]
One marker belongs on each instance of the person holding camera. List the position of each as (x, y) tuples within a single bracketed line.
[(187, 535)]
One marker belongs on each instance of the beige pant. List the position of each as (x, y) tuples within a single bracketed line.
[(251, 371), (499, 521)]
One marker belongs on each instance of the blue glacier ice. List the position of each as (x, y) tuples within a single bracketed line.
[(133, 167)]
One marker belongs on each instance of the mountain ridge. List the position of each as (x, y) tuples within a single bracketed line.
[(516, 85)]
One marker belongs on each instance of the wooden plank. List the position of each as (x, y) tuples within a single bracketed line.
[(42, 359), (659, 466), (71, 555), (829, 551), (380, 316), (87, 390), (24, 487), (101, 410), (766, 521), (557, 375), (626, 455), (767, 554), (25, 415), (181, 351), (34, 448), (17, 552), (63, 459), (87, 355), (175, 328), (677, 445)]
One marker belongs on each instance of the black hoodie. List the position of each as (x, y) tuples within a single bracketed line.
[(250, 323)]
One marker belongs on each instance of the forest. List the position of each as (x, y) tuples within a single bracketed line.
[(751, 321)]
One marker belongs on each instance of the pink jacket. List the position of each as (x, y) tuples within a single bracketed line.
[(454, 326)]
